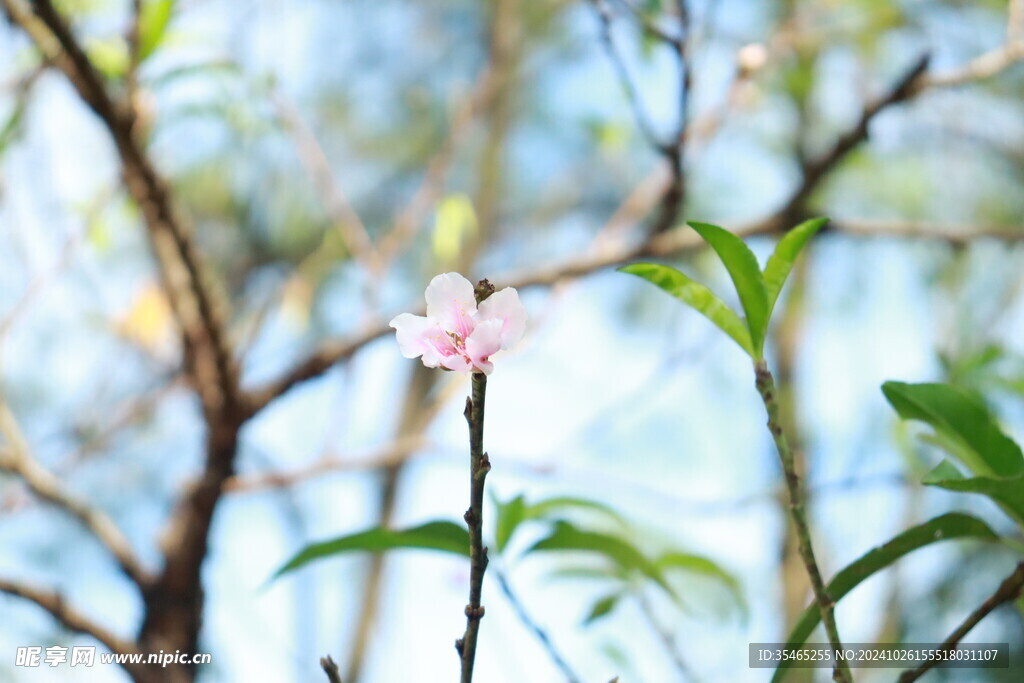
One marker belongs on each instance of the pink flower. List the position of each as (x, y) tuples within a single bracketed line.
[(457, 334)]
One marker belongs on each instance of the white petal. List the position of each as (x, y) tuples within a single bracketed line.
[(483, 343), (456, 362), (451, 302), (505, 306), (413, 333)]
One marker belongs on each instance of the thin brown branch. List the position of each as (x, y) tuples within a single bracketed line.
[(71, 618), (208, 355), (815, 170), (18, 460), (672, 149), (314, 159), (990, 63), (1009, 590), (330, 668), (395, 453)]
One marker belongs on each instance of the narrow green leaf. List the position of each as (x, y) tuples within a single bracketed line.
[(782, 259), (545, 508), (1007, 492), (568, 537), (955, 415), (602, 608), (509, 516), (946, 527), (445, 536), (512, 514), (746, 275), (697, 296), (153, 21), (696, 564)]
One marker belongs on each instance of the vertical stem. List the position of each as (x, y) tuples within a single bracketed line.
[(766, 387), (480, 465)]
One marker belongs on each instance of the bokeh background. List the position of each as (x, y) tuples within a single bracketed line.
[(497, 139)]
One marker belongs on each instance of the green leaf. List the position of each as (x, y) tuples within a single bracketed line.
[(509, 516), (782, 259), (1007, 492), (516, 511), (153, 21), (697, 296), (962, 423), (944, 471), (696, 564), (568, 537), (602, 608), (545, 508), (445, 536), (745, 274), (946, 527)]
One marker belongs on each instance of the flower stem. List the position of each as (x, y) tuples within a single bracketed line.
[(480, 465), (766, 387)]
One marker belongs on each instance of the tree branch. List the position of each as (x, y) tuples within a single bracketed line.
[(69, 617), (331, 669), (1008, 591), (207, 353), (814, 171), (17, 459)]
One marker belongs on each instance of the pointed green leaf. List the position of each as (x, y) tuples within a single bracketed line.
[(602, 608), (516, 511), (696, 564), (153, 21), (545, 508), (1007, 492), (568, 537), (697, 296), (782, 259), (947, 527), (445, 536), (962, 423), (746, 275), (509, 516)]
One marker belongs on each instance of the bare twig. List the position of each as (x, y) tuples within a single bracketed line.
[(990, 63), (331, 669), (395, 453), (314, 159), (68, 616), (815, 170), (672, 149), (1008, 591), (17, 459)]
